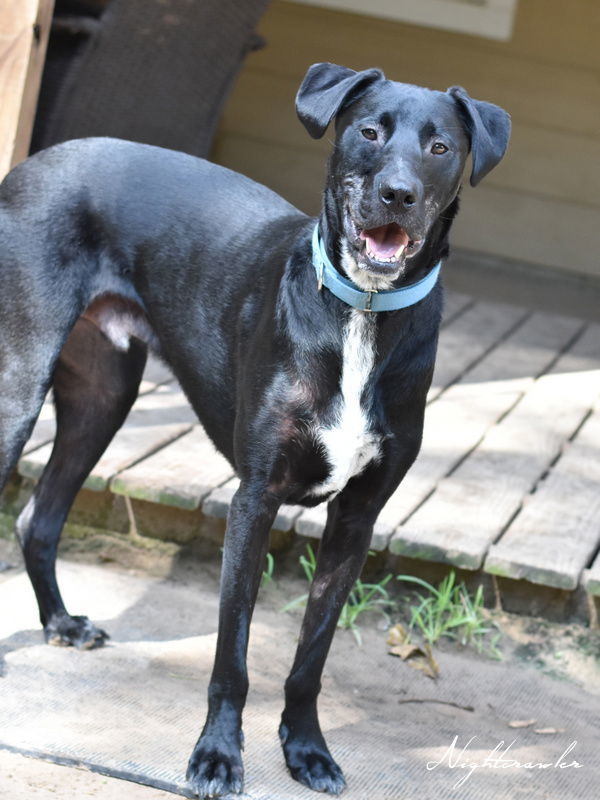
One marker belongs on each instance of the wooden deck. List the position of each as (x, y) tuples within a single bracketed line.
[(508, 479)]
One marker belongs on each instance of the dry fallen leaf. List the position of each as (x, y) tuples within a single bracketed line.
[(420, 658), (397, 634), (521, 723), (405, 651), (425, 663)]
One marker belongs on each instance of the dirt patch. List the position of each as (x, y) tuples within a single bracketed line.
[(564, 651), (26, 778), (375, 707)]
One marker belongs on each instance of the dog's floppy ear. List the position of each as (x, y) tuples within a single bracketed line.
[(489, 129), (324, 90)]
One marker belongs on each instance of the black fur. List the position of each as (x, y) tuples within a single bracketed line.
[(217, 269)]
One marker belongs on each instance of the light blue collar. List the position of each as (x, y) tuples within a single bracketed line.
[(385, 300)]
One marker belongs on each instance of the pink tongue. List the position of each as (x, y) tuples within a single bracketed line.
[(384, 242)]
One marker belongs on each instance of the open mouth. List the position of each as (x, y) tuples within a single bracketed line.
[(386, 244), (384, 249)]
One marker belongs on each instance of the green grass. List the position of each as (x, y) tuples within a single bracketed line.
[(267, 576), (308, 564), (449, 611), (7, 526), (364, 597)]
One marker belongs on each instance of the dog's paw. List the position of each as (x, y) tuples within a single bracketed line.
[(311, 763), (215, 768), (63, 630)]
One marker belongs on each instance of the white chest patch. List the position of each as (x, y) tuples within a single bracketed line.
[(348, 442)]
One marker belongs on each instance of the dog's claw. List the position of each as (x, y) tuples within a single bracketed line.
[(311, 764), (215, 769), (316, 770), (217, 787), (66, 631)]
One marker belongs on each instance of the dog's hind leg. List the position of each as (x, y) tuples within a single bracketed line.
[(95, 385), (25, 375)]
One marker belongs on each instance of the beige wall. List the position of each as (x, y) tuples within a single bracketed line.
[(541, 205)]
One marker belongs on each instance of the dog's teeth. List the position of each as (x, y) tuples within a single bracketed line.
[(375, 257), (391, 260)]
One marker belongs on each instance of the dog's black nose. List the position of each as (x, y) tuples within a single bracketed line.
[(397, 196)]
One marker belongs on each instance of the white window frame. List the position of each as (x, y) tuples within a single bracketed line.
[(492, 19)]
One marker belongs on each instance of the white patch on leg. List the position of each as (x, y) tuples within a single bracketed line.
[(119, 328), (349, 444), (119, 318)]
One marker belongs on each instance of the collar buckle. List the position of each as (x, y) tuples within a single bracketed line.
[(320, 275), (369, 299)]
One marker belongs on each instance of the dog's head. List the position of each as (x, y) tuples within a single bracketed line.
[(398, 161)]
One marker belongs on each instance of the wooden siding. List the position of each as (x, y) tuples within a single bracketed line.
[(24, 29), (542, 204)]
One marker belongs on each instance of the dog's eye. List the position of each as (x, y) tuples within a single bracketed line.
[(439, 148), (369, 133)]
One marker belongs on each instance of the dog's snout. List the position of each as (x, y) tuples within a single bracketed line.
[(398, 195)]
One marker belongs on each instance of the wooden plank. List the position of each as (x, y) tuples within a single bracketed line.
[(468, 339), (453, 426), (155, 374), (156, 419), (218, 501), (557, 532), (456, 421), (455, 304), (591, 578), (180, 474), (312, 523), (24, 29), (470, 508)]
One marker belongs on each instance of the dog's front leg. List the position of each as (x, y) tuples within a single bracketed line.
[(215, 766), (341, 556)]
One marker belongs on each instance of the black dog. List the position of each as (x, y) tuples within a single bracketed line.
[(106, 246)]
